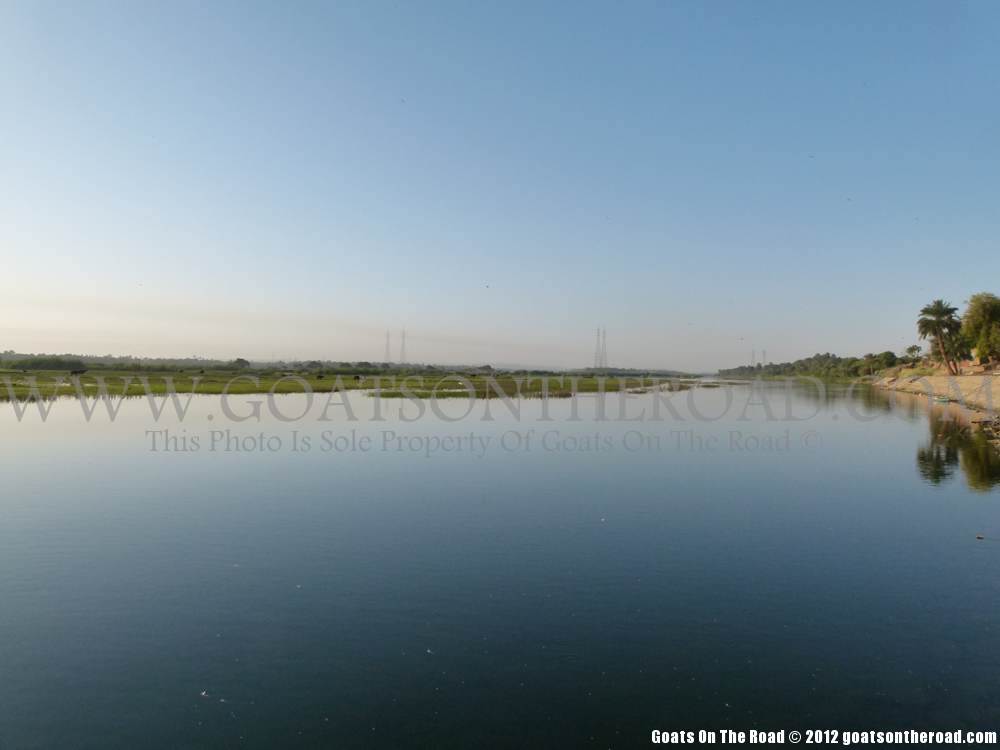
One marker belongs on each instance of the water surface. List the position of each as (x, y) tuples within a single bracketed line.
[(578, 587)]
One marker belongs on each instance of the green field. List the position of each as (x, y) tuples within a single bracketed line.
[(45, 384)]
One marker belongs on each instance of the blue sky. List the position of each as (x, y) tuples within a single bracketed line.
[(240, 179)]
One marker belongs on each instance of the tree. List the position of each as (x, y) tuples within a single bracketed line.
[(240, 364), (887, 359), (938, 321), (48, 362), (988, 343), (982, 316), (870, 363), (913, 352)]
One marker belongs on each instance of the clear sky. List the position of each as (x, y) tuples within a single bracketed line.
[(291, 179)]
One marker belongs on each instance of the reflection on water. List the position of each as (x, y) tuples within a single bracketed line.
[(936, 461), (954, 443), (860, 399), (801, 575)]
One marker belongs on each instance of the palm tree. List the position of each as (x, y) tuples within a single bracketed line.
[(939, 321)]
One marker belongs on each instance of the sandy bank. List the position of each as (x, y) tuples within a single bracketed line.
[(974, 391)]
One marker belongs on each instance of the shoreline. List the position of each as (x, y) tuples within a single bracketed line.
[(978, 392), (45, 386)]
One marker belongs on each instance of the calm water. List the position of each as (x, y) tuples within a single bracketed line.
[(603, 580)]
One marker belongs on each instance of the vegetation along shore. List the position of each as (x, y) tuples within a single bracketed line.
[(47, 377)]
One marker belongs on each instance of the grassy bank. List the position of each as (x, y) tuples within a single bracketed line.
[(23, 385)]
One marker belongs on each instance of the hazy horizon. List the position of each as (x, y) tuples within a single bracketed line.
[(702, 181), (754, 357)]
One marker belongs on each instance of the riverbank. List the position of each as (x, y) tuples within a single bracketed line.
[(980, 392), (20, 386)]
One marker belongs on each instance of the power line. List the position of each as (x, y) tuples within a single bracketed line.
[(601, 349)]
